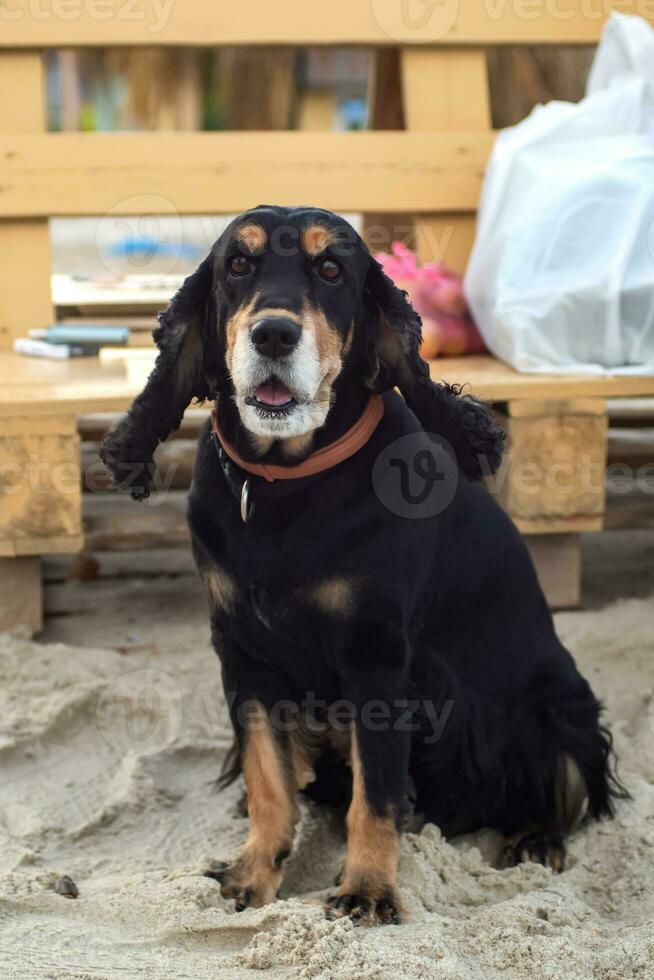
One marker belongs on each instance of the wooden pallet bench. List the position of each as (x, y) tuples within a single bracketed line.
[(552, 482)]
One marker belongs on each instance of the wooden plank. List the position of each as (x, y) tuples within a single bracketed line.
[(317, 110), (553, 406), (33, 386), (196, 173), (39, 486), (554, 470), (494, 381), (175, 461), (51, 23), (447, 238), (558, 565), (445, 91), (113, 523), (574, 524), (26, 264), (21, 601), (631, 411), (634, 509), (21, 73), (635, 447)]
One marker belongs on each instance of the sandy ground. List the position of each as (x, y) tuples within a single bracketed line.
[(111, 733)]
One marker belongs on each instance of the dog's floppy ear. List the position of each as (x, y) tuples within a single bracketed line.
[(185, 338), (394, 338)]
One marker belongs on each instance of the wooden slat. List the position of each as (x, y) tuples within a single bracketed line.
[(25, 299), (39, 485), (196, 173), (633, 509), (213, 22), (113, 523), (31, 386), (445, 90), (490, 379)]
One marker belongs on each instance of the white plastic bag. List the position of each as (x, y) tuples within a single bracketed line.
[(561, 277)]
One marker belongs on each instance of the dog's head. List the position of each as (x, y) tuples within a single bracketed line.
[(286, 315)]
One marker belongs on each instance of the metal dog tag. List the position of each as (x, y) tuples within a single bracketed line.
[(245, 501)]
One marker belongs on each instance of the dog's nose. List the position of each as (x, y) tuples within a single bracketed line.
[(276, 336)]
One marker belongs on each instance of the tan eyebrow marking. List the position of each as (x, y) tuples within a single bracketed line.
[(316, 238), (253, 237)]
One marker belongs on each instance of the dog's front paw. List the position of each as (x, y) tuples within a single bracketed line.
[(366, 906), (538, 848), (248, 880)]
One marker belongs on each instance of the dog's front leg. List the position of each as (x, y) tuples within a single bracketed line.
[(379, 754), (253, 879)]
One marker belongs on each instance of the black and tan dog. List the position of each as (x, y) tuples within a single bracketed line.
[(381, 646)]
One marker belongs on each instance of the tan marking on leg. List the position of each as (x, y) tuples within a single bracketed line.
[(253, 237), (372, 848), (341, 741), (571, 794), (303, 757), (258, 870), (316, 238), (220, 586), (334, 596)]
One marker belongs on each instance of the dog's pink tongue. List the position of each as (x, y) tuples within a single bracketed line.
[(273, 393)]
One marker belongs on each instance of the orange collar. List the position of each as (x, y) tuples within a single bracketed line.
[(323, 459)]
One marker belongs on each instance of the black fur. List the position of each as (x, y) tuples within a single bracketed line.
[(447, 611)]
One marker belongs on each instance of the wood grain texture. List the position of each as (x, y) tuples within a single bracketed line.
[(199, 173), (25, 299), (30, 386), (217, 22), (554, 470), (445, 90), (39, 486)]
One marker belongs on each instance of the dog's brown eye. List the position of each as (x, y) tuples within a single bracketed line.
[(240, 265), (329, 270)]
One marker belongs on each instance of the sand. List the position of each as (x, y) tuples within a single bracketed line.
[(109, 749)]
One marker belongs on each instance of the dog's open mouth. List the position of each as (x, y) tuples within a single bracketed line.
[(273, 396)]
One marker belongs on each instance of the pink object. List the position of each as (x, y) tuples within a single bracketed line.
[(436, 293)]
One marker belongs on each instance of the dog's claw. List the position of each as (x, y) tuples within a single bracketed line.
[(362, 909)]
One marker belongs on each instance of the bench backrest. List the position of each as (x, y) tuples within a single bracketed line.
[(431, 172)]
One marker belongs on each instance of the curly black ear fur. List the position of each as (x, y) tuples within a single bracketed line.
[(184, 337), (394, 355)]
